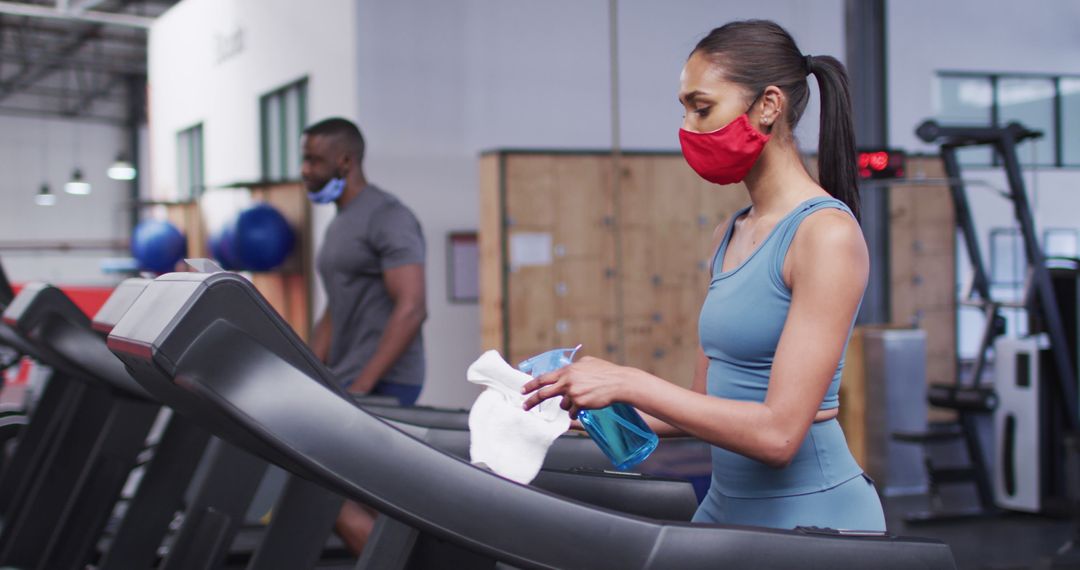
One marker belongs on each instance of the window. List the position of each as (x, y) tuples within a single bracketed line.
[(1061, 242), (1030, 102), (189, 163), (1070, 120), (1008, 262), (283, 115), (1008, 274), (1046, 103), (966, 101)]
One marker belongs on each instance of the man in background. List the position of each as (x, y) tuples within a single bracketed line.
[(372, 266)]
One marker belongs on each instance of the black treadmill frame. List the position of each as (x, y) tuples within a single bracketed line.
[(305, 426)]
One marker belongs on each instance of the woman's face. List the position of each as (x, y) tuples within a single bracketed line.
[(709, 101)]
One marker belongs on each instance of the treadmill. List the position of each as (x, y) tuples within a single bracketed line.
[(304, 513), (210, 481), (7, 293), (65, 492), (12, 415), (70, 480), (248, 379), (71, 477)]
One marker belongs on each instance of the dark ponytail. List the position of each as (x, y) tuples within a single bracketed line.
[(759, 53), (837, 168)]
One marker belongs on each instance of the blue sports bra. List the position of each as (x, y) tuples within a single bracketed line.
[(746, 308)]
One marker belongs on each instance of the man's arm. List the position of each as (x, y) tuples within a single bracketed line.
[(320, 337), (405, 285)]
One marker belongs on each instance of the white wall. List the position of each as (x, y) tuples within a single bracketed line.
[(927, 36), (40, 150), (282, 41)]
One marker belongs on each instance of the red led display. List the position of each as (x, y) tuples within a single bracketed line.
[(878, 164)]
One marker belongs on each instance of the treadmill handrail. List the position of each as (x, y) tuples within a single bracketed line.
[(971, 135)]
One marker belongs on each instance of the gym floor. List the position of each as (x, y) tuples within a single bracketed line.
[(1005, 541)]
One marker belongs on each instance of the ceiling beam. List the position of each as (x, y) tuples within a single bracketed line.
[(105, 64), (130, 37), (88, 97), (81, 7), (104, 18), (57, 114), (40, 91), (34, 73)]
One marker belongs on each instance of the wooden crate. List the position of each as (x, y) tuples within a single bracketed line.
[(627, 268), (922, 254)]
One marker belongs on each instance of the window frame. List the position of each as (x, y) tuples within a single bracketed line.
[(1018, 262), (280, 171), (1056, 130), (196, 163)]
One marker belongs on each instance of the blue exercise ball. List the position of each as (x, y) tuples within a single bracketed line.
[(222, 245), (263, 238), (157, 245)]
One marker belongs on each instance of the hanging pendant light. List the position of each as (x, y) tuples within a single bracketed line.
[(122, 169), (77, 185), (44, 196)]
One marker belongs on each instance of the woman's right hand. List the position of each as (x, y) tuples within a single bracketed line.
[(587, 384)]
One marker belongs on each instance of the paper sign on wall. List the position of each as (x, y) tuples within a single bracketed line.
[(530, 249)]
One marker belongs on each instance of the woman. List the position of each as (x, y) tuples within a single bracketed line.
[(787, 280)]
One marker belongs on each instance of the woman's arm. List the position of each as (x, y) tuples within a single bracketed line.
[(663, 428), (827, 270)]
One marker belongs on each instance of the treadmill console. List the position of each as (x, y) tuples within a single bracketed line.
[(118, 303)]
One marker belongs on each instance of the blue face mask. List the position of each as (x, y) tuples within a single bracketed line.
[(330, 192)]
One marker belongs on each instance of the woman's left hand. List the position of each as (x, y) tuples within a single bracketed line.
[(587, 384)]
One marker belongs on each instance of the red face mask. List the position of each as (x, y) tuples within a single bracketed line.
[(723, 156)]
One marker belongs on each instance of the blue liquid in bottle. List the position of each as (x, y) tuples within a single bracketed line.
[(618, 429)]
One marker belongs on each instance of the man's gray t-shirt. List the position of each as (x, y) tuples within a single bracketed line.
[(372, 233)]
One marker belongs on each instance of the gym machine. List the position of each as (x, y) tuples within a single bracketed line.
[(1055, 375), (63, 494), (13, 416)]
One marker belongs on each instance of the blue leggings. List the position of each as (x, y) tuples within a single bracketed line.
[(851, 505)]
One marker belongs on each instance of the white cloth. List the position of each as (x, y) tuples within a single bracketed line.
[(503, 436)]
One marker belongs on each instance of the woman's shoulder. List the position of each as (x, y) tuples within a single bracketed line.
[(829, 236), (830, 225)]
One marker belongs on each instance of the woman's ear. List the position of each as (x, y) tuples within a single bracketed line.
[(771, 104)]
